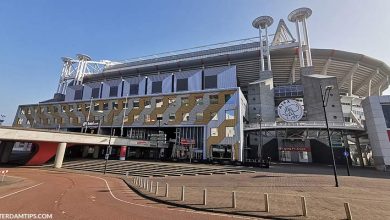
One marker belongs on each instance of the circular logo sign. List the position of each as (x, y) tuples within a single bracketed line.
[(290, 110)]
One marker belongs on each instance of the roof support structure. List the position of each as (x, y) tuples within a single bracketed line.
[(324, 70), (367, 82), (349, 77)]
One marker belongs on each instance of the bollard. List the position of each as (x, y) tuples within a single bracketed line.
[(205, 197), (166, 190), (147, 185), (127, 173), (266, 202), (182, 193), (304, 209), (347, 211), (144, 183), (151, 187), (140, 182), (156, 188), (234, 205)]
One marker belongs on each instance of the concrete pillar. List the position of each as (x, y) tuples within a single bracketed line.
[(85, 151), (359, 150), (60, 155), (5, 151), (96, 152)]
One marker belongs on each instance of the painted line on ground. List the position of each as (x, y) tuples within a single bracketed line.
[(148, 206), (5, 196)]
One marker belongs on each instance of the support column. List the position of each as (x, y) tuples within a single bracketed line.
[(96, 152), (6, 150), (359, 150), (85, 151), (60, 155)]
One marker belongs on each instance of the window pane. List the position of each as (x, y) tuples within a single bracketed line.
[(229, 131), (159, 103), (213, 99), (78, 94), (105, 105), (136, 104), (229, 114), (157, 87), (199, 100), (214, 116), (113, 91), (186, 116), (95, 93), (227, 97), (172, 116), (184, 101), (214, 132), (171, 101), (115, 105), (134, 89), (199, 116), (182, 85), (148, 104), (211, 82), (147, 118)]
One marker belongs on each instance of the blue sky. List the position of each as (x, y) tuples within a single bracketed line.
[(35, 34)]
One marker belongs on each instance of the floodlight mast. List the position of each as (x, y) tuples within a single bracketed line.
[(299, 17)]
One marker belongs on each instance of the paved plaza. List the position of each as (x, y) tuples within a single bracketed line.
[(367, 191)]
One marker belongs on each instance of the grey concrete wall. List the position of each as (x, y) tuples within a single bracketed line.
[(313, 100), (261, 100), (377, 130)]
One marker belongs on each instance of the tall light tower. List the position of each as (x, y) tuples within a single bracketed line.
[(265, 76), (263, 22), (299, 17)]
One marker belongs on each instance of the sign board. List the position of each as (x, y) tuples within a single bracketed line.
[(187, 141), (91, 124), (295, 149), (290, 110)]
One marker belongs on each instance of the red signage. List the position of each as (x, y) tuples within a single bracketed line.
[(187, 141), (295, 148)]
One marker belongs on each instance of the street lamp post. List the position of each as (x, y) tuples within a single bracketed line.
[(108, 149), (159, 125), (89, 113), (324, 98), (124, 113), (260, 147)]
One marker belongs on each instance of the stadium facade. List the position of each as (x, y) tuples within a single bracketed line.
[(240, 101)]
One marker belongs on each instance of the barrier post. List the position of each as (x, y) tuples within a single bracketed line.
[(234, 204), (205, 197), (182, 193), (166, 190), (266, 202), (156, 188), (347, 211), (304, 209)]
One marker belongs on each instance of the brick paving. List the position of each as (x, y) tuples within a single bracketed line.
[(368, 192)]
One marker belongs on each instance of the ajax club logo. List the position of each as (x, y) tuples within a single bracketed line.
[(290, 110)]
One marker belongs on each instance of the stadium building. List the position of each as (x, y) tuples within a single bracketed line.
[(235, 101)]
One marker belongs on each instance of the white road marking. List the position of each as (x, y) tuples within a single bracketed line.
[(2, 197), (181, 210)]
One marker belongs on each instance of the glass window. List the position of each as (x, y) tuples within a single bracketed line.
[(157, 87), (184, 101), (213, 99), (229, 114), (48, 109), (87, 107), (199, 116), (199, 100), (79, 107), (115, 105), (159, 116), (78, 94), (147, 118), (136, 117), (171, 101), (386, 114), (134, 89), (63, 108), (71, 109), (186, 116), (229, 131), (214, 132), (95, 93), (55, 109), (113, 91), (182, 85), (125, 105), (20, 121), (172, 116), (148, 104), (96, 106), (211, 82), (105, 105), (227, 97), (136, 104), (159, 103), (214, 116)]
